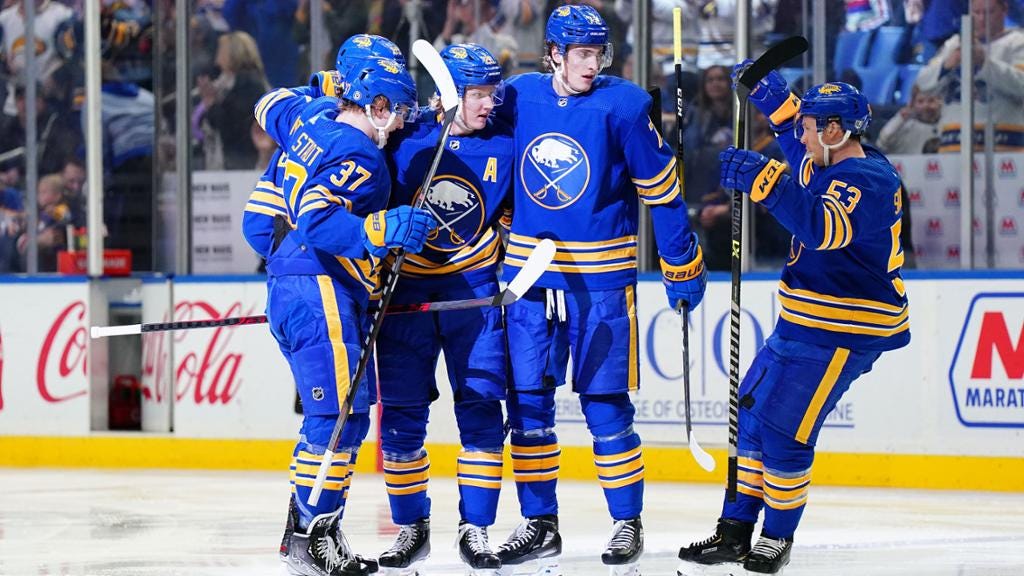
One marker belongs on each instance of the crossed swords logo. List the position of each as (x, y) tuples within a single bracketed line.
[(448, 225), (553, 182)]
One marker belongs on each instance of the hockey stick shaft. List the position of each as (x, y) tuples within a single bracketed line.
[(773, 58), (431, 60)]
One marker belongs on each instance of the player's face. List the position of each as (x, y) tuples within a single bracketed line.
[(581, 65), (832, 134), (477, 104), (927, 108)]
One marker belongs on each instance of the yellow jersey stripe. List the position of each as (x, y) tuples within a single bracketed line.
[(669, 168), (837, 301), (569, 246), (843, 314), (259, 209), (267, 198)]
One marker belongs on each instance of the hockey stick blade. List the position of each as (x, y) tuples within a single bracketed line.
[(704, 460), (535, 265), (773, 58), (431, 60)]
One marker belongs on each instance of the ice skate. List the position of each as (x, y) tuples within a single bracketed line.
[(768, 556), (720, 555), (410, 550), (532, 549), (622, 555), (321, 551), (475, 552)]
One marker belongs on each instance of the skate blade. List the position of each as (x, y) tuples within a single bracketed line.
[(541, 567), (632, 569), (724, 569), (412, 569)]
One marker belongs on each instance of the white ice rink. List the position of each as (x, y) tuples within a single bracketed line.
[(197, 523)]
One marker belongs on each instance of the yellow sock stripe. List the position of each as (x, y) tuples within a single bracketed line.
[(403, 478), (751, 463), (744, 489), (392, 466), (626, 481), (786, 504), (479, 470), (612, 459)]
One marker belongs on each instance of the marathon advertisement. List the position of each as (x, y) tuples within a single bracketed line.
[(935, 201)]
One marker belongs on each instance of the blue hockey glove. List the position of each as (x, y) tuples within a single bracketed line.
[(684, 276), (771, 95), (403, 227), (326, 83), (749, 172)]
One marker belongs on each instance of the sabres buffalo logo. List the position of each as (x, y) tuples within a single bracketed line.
[(563, 11), (554, 170), (458, 52), (828, 89), (389, 65), (459, 209), (362, 41)]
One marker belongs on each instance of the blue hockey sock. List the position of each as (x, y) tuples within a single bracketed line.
[(617, 452), (307, 457), (535, 450), (406, 464), (481, 428)]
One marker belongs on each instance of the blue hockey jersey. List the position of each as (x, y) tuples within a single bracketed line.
[(582, 163), (842, 285), (467, 196), (334, 176)]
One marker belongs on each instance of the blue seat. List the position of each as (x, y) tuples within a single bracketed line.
[(851, 51), (797, 78), (878, 83), (888, 47), (908, 75)]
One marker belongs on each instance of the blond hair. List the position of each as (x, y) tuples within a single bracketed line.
[(242, 52)]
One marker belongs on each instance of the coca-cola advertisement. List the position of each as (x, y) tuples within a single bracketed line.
[(44, 384), (228, 381)]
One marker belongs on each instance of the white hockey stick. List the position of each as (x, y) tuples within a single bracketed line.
[(434, 65), (536, 263)]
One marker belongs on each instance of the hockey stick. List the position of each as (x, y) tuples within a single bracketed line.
[(432, 62), (699, 454), (535, 265), (773, 58)]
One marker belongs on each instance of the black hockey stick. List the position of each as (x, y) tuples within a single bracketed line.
[(699, 454), (431, 60), (773, 58), (535, 265)]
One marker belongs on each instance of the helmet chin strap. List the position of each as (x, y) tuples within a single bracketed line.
[(460, 121), (382, 131), (561, 77), (829, 147)]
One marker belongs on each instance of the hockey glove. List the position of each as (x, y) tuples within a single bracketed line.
[(326, 83), (684, 276), (403, 227), (749, 172), (771, 95)]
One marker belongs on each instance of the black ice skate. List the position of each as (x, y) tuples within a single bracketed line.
[(769, 555), (475, 551), (624, 548), (726, 549), (533, 548), (322, 550), (410, 550)]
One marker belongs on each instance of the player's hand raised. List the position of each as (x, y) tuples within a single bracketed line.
[(749, 172), (771, 95)]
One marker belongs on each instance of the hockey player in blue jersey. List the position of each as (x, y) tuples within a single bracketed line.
[(336, 188), (459, 261), (586, 156), (842, 303)]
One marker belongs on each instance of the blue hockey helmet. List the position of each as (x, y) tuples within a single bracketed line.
[(838, 102), (578, 24), (472, 65), (382, 77), (361, 47)]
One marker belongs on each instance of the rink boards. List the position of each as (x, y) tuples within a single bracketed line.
[(945, 412)]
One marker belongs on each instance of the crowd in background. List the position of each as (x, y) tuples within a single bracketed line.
[(241, 48)]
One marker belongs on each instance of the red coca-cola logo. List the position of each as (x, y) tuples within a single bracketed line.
[(64, 352), (210, 374)]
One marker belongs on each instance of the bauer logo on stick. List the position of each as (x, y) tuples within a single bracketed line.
[(555, 170)]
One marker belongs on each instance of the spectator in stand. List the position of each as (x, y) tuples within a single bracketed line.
[(709, 130), (998, 55), (227, 103), (865, 15), (50, 19), (939, 21), (12, 216), (58, 138), (524, 20), (342, 18), (73, 176), (269, 23), (463, 25), (914, 127), (54, 216), (717, 22)]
